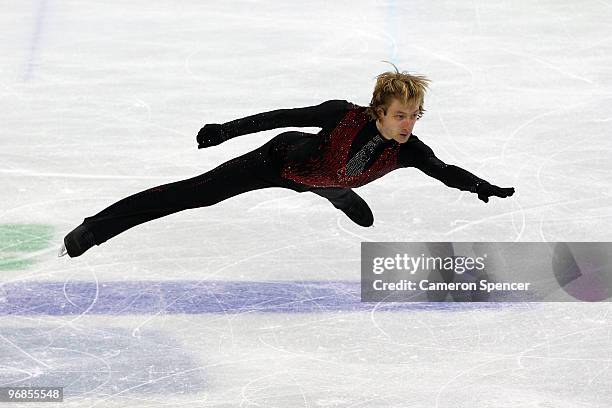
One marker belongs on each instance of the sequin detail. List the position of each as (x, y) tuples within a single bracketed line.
[(358, 162), (328, 169)]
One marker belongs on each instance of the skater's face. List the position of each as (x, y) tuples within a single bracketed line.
[(398, 122)]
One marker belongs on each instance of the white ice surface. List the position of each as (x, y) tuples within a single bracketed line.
[(100, 100)]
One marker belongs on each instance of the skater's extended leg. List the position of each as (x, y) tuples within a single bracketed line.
[(348, 202), (245, 173)]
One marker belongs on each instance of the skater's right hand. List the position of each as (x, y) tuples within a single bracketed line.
[(211, 135), (487, 190)]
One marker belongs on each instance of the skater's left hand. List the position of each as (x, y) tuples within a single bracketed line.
[(211, 134), (489, 190)]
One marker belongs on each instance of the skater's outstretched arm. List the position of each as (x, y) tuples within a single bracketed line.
[(310, 116), (423, 158)]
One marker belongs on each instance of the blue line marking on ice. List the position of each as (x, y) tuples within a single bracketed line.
[(35, 40), (198, 297)]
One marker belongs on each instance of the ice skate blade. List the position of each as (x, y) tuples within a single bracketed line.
[(62, 251)]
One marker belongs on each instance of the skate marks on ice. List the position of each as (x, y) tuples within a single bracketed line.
[(98, 361)]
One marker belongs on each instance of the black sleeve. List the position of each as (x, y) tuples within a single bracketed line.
[(423, 158), (311, 116)]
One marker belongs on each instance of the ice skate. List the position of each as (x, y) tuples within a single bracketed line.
[(78, 241), (359, 212), (350, 203)]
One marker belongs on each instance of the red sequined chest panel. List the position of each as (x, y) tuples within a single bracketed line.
[(329, 168)]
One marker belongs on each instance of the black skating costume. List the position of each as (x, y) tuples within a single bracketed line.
[(348, 152)]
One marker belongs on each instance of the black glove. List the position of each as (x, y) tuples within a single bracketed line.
[(211, 135), (487, 190)]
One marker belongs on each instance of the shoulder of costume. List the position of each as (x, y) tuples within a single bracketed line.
[(340, 103)]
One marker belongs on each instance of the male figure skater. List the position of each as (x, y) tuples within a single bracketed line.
[(355, 146)]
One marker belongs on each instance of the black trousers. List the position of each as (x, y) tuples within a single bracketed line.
[(255, 170)]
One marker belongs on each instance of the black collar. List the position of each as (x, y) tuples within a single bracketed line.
[(373, 130)]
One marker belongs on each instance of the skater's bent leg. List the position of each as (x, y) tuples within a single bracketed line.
[(348, 202)]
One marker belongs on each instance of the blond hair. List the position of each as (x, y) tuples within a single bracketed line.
[(407, 88)]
